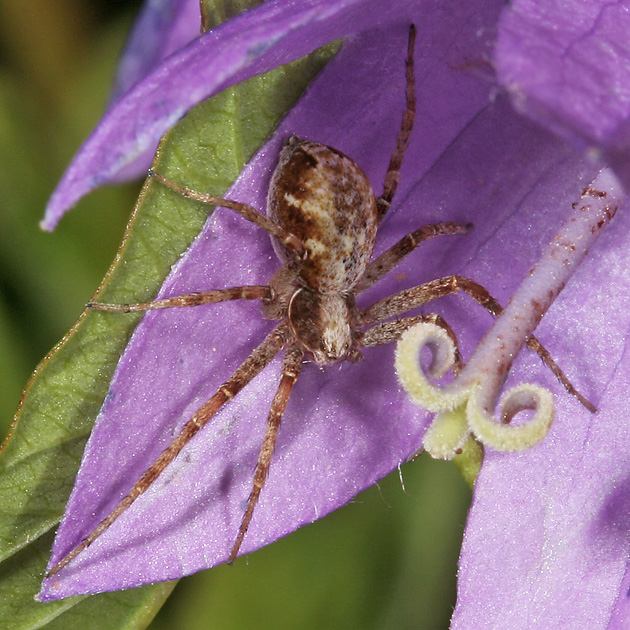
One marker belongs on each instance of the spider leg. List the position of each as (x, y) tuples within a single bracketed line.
[(392, 177), (390, 258), (291, 242), (290, 371), (411, 298), (255, 292), (408, 299), (388, 332), (253, 365)]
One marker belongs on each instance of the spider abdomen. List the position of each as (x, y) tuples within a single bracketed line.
[(321, 196)]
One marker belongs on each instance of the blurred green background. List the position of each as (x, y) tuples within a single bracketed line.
[(388, 559)]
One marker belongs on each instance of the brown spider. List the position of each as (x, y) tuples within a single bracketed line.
[(324, 216)]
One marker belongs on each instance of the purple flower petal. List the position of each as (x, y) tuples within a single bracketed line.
[(162, 27), (346, 426), (547, 537), (252, 43), (567, 65)]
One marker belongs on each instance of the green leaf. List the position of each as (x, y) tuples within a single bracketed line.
[(39, 460), (131, 609)]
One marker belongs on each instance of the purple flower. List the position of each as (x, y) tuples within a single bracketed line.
[(547, 537)]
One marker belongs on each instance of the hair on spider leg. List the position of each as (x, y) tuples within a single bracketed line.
[(325, 249)]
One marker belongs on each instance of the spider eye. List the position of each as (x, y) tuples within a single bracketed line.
[(321, 324), (336, 340)]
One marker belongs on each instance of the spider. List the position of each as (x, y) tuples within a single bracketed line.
[(323, 217)]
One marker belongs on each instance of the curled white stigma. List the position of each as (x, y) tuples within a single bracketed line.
[(466, 405)]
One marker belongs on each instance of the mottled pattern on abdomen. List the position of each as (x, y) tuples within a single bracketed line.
[(321, 196)]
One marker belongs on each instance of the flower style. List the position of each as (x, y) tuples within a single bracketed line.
[(547, 536), (466, 405)]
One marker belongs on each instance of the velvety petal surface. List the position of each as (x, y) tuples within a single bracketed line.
[(547, 540), (567, 65), (346, 426), (255, 41), (163, 27)]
